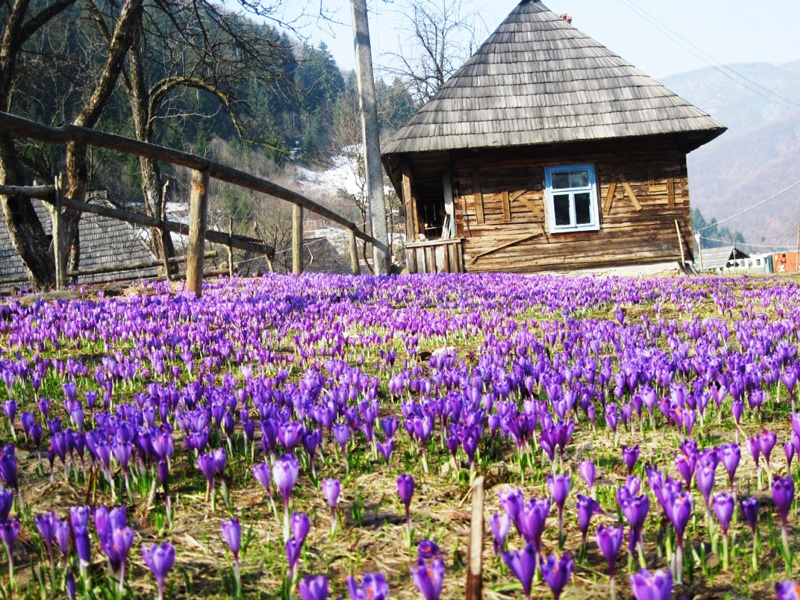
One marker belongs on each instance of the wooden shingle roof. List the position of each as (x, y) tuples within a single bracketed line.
[(104, 242), (538, 80)]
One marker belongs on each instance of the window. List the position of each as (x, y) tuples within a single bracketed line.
[(571, 198)]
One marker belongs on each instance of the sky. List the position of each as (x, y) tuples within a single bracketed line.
[(660, 37)]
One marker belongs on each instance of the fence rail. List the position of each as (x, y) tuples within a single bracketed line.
[(202, 168)]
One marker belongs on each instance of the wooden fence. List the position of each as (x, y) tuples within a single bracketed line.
[(202, 169)]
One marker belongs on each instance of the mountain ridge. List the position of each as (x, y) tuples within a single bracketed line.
[(755, 158)]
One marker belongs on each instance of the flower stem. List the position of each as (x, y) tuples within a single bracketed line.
[(787, 557), (725, 551)]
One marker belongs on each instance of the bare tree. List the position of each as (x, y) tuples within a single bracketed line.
[(191, 46), (25, 229), (437, 37), (201, 47)]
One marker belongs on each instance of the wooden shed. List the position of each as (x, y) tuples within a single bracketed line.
[(546, 151)]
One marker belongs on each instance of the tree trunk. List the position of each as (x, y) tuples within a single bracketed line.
[(24, 227), (139, 98), (76, 167), (370, 137)]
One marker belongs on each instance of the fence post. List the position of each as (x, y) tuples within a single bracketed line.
[(56, 212), (355, 267), (198, 213), (164, 233), (263, 242), (474, 589), (297, 239), (230, 248)]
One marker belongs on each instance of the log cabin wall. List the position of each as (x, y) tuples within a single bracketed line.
[(500, 211)]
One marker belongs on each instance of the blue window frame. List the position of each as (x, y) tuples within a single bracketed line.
[(571, 198)]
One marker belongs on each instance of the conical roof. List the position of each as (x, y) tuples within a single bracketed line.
[(538, 80)]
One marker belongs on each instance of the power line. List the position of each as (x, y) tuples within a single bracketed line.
[(724, 70), (775, 246), (748, 209)]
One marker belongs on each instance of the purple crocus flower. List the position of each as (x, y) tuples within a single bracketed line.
[(723, 505), (9, 530), (405, 489), (208, 466), (787, 590), (499, 524), (294, 547), (262, 474), (8, 467), (79, 520), (6, 503), (655, 586), (679, 511), (783, 495), (285, 472), (62, 536), (730, 454), (313, 588), (523, 564), (557, 573), (373, 587), (160, 559), (705, 481), (232, 534), (635, 510), (429, 577), (46, 524), (386, 448), (301, 525), (71, 591), (587, 470), (609, 540), (686, 465), (766, 442), (512, 501), (428, 549), (587, 507), (532, 521), (749, 508), (559, 486), (631, 455), (117, 546), (341, 432), (331, 488)]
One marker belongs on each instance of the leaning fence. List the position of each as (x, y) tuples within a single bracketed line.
[(202, 170)]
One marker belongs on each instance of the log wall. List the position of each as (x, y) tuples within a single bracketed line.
[(500, 209)]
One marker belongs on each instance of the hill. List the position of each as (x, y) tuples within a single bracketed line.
[(757, 156)]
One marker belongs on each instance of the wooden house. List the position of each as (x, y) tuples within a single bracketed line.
[(546, 151)]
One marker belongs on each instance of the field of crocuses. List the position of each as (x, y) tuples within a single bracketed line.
[(317, 437)]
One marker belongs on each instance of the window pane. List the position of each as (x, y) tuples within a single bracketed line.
[(561, 181), (561, 209), (578, 179), (583, 211)]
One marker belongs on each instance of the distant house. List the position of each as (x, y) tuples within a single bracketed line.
[(731, 260), (719, 258), (104, 243), (546, 151)]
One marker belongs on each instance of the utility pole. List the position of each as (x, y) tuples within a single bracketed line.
[(370, 136), (797, 252), (698, 238)]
